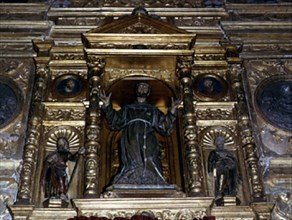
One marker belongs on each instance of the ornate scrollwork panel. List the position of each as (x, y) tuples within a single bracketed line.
[(60, 72), (164, 208), (257, 71), (160, 74), (215, 111)]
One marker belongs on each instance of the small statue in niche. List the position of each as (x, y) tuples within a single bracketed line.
[(54, 175), (222, 165), (140, 152)]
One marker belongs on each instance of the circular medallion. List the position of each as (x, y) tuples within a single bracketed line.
[(210, 87), (274, 100), (69, 86), (10, 101)]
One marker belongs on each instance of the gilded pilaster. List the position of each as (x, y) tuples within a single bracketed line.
[(192, 152), (92, 129), (246, 135), (33, 134)]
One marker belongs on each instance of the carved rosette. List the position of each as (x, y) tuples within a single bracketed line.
[(192, 152), (92, 129), (246, 134), (33, 135)]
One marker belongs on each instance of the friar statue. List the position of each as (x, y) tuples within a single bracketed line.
[(54, 175), (140, 152), (222, 165)]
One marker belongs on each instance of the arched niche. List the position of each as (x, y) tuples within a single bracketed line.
[(123, 92)]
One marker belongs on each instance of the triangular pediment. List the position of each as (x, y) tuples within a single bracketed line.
[(138, 30), (139, 24)]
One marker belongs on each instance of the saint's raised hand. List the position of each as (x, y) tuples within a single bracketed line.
[(105, 99)]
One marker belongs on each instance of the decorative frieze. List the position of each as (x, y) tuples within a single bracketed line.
[(161, 208)]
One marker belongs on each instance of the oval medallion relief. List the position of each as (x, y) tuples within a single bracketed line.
[(274, 100), (10, 101)]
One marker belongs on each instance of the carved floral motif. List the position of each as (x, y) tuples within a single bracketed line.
[(64, 114), (18, 70), (160, 214), (8, 141), (211, 114), (260, 70), (81, 73), (161, 74)]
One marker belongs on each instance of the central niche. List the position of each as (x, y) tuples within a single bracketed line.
[(123, 93)]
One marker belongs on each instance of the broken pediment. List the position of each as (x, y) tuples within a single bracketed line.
[(138, 31)]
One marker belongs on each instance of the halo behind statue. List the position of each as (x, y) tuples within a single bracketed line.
[(70, 133)]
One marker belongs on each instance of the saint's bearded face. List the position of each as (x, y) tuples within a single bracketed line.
[(62, 144), (143, 90)]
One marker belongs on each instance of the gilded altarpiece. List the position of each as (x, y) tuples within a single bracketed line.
[(114, 57)]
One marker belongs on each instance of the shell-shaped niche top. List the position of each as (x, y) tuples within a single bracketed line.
[(70, 133), (211, 135)]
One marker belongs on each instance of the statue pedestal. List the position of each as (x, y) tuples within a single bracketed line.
[(230, 201), (55, 203), (227, 201), (142, 191)]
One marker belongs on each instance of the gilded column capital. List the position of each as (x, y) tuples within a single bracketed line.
[(184, 66), (96, 65)]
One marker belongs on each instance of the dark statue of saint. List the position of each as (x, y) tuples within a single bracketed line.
[(140, 151), (54, 176), (222, 165)]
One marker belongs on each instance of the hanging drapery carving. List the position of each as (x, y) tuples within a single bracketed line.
[(33, 135), (92, 129), (192, 153), (246, 135)]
